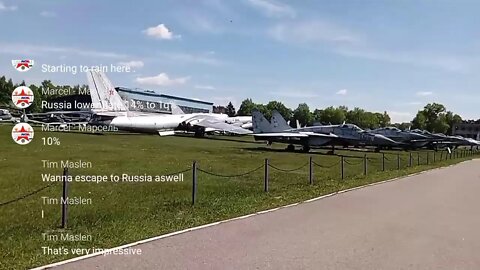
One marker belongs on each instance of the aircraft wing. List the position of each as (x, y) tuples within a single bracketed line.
[(281, 134), (315, 134), (295, 135), (211, 124)]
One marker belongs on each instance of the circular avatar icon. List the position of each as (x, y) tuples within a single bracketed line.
[(22, 97), (22, 133)]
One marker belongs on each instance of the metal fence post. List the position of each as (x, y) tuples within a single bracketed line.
[(311, 170), (434, 156), (65, 198), (428, 158), (265, 178), (365, 160), (383, 162), (194, 182), (342, 167), (441, 155), (398, 161), (418, 158), (410, 160)]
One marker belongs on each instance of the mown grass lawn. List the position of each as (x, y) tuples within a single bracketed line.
[(126, 212)]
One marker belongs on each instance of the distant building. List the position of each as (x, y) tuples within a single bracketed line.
[(149, 101), (468, 129)]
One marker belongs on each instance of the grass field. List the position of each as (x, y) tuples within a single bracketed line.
[(126, 212)]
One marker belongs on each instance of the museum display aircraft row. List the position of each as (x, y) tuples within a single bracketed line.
[(345, 135)]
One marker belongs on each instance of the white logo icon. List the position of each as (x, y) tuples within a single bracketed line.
[(22, 65), (22, 133), (22, 97)]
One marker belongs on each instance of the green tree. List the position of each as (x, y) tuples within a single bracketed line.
[(37, 102), (452, 120), (280, 107), (317, 115), (420, 121), (435, 118), (246, 107), (230, 109), (4, 91), (303, 115), (383, 119), (331, 115)]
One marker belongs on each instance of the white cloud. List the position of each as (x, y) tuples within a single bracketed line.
[(272, 8), (160, 32), (424, 93), (22, 49), (205, 87), (48, 14), (342, 92), (132, 64), (4, 7), (162, 79), (400, 117), (313, 32)]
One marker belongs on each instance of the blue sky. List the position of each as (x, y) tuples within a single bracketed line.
[(379, 55)]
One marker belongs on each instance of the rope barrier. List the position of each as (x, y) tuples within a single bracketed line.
[(27, 195), (325, 166), (230, 176), (285, 170), (179, 172), (353, 164)]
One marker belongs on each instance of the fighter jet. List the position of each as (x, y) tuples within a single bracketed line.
[(407, 138), (315, 136)]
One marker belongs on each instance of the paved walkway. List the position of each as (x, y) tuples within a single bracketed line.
[(428, 221)]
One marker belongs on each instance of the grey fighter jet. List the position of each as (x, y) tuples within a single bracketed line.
[(408, 138), (315, 136)]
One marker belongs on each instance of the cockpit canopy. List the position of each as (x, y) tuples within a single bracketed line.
[(352, 127)]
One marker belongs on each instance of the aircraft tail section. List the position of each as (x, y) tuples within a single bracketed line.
[(104, 96), (260, 123), (278, 122), (176, 109)]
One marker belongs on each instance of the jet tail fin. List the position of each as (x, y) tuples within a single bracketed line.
[(176, 109), (278, 122), (260, 123), (104, 96)]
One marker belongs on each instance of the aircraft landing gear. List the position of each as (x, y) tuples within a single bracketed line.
[(200, 132), (306, 148), (290, 147)]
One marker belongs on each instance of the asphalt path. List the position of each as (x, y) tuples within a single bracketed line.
[(426, 221)]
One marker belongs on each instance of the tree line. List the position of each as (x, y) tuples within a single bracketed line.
[(330, 115), (433, 117)]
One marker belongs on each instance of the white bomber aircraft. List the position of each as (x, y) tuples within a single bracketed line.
[(109, 108)]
